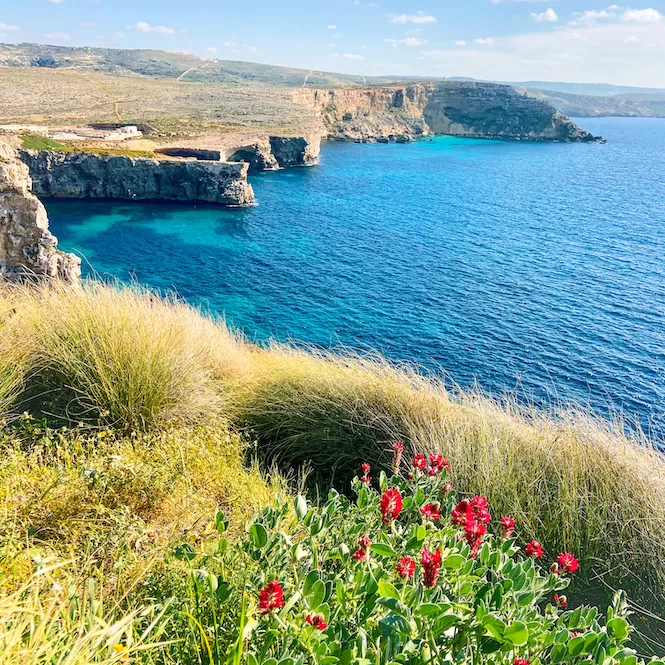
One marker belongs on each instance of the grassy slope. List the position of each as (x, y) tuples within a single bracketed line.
[(132, 362)]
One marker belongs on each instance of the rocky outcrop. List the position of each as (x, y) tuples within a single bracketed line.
[(460, 108), (192, 153), (257, 154), (469, 108), (84, 175), (295, 150), (28, 250)]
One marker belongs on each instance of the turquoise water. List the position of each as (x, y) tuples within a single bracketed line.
[(529, 266)]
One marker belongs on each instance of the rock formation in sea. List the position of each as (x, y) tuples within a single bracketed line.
[(460, 108), (85, 175), (28, 250)]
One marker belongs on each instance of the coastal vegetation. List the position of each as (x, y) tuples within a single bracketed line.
[(151, 462)]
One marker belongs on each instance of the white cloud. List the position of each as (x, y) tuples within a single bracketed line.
[(332, 44), (631, 39), (596, 52), (240, 47), (549, 15), (348, 56), (460, 42), (642, 15), (484, 41), (332, 27), (56, 2), (5, 27), (591, 16), (418, 17), (212, 50), (141, 26), (57, 36), (409, 41)]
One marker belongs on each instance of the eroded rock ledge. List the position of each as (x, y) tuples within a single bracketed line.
[(83, 175), (28, 250)]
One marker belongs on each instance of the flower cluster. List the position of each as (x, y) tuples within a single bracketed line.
[(534, 549), (391, 505), (437, 464), (432, 511), (366, 478), (507, 526), (566, 563), (271, 597), (398, 450), (316, 620), (362, 553), (431, 563), (406, 567), (473, 515)]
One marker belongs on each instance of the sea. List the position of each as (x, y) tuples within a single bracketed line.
[(524, 267)]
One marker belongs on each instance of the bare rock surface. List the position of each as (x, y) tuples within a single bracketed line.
[(83, 175), (27, 248)]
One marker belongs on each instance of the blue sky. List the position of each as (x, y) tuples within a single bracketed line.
[(554, 40)]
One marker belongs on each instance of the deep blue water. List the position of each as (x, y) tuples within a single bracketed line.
[(530, 266)]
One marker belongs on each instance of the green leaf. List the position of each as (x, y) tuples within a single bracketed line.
[(421, 532), (317, 594), (221, 522), (184, 552), (576, 646), (300, 506), (494, 626), (618, 628), (517, 633), (454, 562), (387, 590), (383, 550), (394, 624), (251, 659), (397, 606), (428, 610), (258, 535), (559, 652), (310, 578)]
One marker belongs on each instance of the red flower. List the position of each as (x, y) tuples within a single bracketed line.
[(366, 479), (316, 620), (437, 464), (391, 505), (474, 532), (560, 601), (567, 563), (406, 567), (520, 661), (362, 553), (432, 511), (420, 462), (365, 467), (271, 597), (507, 526), (431, 563), (534, 549), (479, 506), (398, 449), (446, 488)]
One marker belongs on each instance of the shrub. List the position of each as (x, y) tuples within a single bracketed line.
[(122, 357), (406, 574)]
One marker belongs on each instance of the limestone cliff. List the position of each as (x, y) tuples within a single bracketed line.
[(27, 248), (459, 108), (267, 153), (83, 175)]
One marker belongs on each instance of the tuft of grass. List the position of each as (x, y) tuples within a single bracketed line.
[(122, 357), (45, 621)]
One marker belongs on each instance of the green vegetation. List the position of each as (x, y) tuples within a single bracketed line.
[(39, 142), (141, 418)]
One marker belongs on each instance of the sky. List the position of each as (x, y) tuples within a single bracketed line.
[(508, 40)]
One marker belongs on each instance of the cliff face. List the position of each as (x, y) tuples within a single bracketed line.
[(78, 176), (468, 108), (459, 108), (28, 250)]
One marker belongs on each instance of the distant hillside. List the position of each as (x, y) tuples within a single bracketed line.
[(164, 64)]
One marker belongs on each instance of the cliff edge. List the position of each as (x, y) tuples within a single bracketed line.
[(85, 175), (28, 249), (459, 108)]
